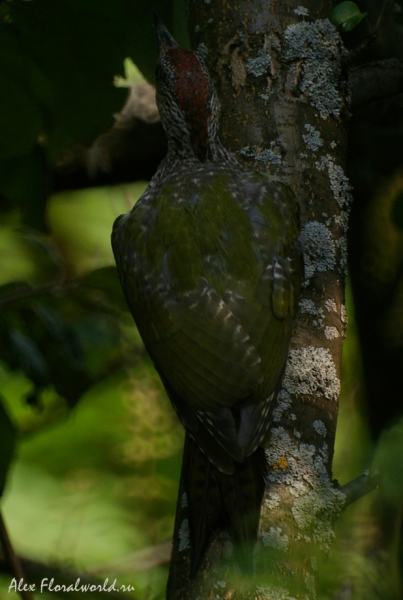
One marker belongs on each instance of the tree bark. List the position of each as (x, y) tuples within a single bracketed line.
[(279, 72)]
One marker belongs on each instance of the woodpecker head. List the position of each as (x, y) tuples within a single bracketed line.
[(185, 96)]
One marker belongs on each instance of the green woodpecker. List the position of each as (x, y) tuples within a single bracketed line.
[(210, 265)]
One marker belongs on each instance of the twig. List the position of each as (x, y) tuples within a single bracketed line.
[(380, 17), (13, 560), (359, 487)]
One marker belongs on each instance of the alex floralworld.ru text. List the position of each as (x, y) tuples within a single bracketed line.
[(47, 585)]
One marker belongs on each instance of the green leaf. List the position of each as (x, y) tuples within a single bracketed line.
[(346, 16), (29, 358), (62, 351), (7, 444)]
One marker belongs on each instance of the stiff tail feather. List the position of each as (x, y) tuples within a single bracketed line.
[(217, 500)]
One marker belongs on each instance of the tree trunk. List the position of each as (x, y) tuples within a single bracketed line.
[(279, 72)]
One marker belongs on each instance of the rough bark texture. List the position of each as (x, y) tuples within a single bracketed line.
[(278, 69)]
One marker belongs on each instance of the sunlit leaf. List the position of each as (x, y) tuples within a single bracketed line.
[(346, 16)]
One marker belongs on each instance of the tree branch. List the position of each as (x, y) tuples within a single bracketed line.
[(132, 149), (358, 487), (11, 560)]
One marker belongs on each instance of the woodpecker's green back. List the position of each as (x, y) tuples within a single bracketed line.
[(209, 262)]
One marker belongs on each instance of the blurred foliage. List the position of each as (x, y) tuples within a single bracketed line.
[(97, 483), (67, 342), (58, 64)]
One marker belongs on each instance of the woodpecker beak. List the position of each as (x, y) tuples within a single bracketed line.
[(165, 41)]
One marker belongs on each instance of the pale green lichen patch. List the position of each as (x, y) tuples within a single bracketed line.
[(316, 502), (272, 501), (320, 504), (311, 370), (309, 307), (309, 581), (318, 247), (269, 592), (312, 138), (283, 455), (319, 427), (275, 538), (184, 541), (184, 500), (260, 65), (318, 46), (220, 585)]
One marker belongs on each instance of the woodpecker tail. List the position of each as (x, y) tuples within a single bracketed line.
[(216, 500)]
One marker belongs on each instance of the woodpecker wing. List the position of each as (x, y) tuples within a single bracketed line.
[(206, 276)]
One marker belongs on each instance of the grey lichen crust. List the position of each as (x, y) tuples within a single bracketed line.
[(312, 138), (184, 542), (319, 248), (309, 307), (318, 46), (331, 333), (301, 11), (339, 183), (264, 156), (320, 427), (260, 65), (311, 371)]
